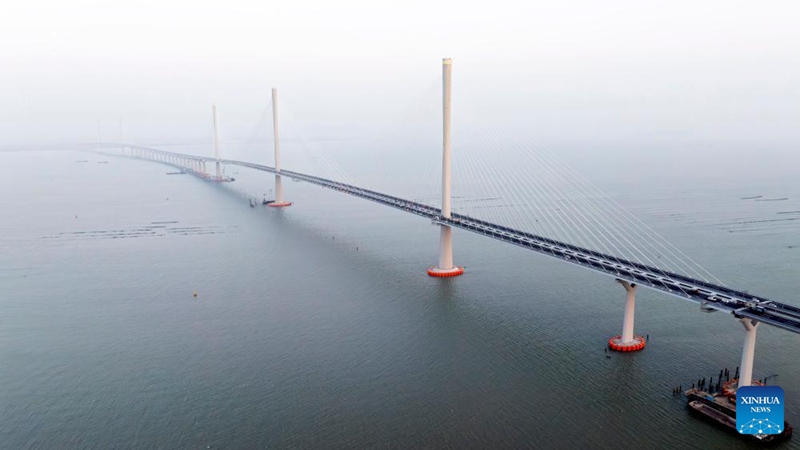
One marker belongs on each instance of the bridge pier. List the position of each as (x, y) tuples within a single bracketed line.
[(279, 201), (627, 342), (748, 352), (446, 267)]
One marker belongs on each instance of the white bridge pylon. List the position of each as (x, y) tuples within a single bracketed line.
[(446, 267), (218, 175), (278, 202), (216, 142)]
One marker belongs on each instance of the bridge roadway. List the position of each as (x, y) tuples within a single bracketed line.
[(711, 296)]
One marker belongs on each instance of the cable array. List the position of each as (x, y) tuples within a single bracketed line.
[(500, 179), (532, 190)]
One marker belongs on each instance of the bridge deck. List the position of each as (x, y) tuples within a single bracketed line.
[(738, 303)]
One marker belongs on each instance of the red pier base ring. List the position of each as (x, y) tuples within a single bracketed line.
[(436, 272), (280, 205), (637, 344)]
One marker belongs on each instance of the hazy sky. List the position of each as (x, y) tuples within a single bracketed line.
[(611, 73)]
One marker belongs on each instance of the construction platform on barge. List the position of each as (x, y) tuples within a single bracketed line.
[(720, 409)]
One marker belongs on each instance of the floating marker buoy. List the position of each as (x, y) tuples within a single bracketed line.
[(195, 294)]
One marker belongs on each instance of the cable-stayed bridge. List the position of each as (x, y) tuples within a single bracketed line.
[(629, 272)]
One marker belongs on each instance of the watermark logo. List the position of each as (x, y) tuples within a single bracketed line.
[(759, 410)]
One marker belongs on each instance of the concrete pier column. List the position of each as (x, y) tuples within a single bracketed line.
[(748, 352), (630, 307), (445, 248), (627, 341), (446, 267)]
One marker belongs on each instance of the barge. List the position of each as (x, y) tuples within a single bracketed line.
[(720, 410)]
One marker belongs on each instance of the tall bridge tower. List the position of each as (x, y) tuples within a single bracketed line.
[(216, 142), (446, 267), (279, 202)]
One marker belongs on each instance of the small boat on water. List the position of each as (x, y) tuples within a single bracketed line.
[(252, 203), (176, 173)]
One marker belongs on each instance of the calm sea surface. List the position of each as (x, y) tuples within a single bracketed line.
[(316, 327)]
